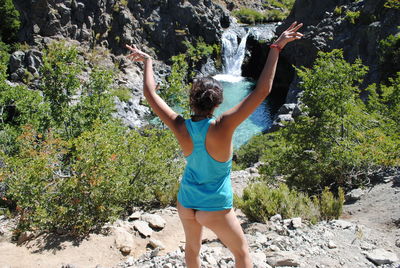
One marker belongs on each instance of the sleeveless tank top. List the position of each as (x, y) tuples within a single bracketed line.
[(206, 182)]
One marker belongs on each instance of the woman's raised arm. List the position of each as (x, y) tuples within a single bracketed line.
[(159, 106), (230, 119)]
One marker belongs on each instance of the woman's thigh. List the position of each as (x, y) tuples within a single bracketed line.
[(193, 230), (226, 226)]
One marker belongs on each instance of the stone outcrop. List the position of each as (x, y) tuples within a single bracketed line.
[(161, 25), (326, 29)]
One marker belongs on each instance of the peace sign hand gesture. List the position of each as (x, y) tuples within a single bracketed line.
[(289, 35)]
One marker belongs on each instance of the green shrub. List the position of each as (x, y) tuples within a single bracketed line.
[(389, 56), (392, 4), (175, 93), (122, 93), (339, 141), (249, 16), (9, 21), (352, 16), (110, 169), (260, 202), (338, 10), (329, 206)]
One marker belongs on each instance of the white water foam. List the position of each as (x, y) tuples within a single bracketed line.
[(228, 78)]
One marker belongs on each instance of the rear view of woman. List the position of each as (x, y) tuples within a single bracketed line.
[(205, 194)]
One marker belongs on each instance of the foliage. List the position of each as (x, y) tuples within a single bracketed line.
[(4, 58), (260, 202), (389, 60), (352, 16), (60, 82), (339, 140), (9, 21), (392, 4), (338, 10), (249, 16), (122, 93), (182, 73), (280, 10), (111, 169)]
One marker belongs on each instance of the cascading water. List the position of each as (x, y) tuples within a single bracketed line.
[(237, 87), (233, 53)]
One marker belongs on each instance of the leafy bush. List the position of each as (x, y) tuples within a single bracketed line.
[(392, 4), (110, 169), (182, 73), (260, 202), (9, 21), (249, 16), (352, 16), (389, 60), (339, 141)]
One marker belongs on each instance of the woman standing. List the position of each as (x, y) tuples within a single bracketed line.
[(205, 194)]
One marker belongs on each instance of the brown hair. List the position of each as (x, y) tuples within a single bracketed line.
[(206, 93)]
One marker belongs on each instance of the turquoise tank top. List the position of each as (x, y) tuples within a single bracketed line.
[(206, 182)]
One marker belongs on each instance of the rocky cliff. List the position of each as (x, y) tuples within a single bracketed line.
[(328, 25), (161, 25)]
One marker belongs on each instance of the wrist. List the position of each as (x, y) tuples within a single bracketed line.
[(276, 46)]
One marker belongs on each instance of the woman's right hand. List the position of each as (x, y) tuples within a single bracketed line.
[(289, 35)]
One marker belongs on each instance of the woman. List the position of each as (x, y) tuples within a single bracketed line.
[(205, 194)]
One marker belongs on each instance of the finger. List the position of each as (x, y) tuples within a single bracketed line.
[(295, 29), (131, 48), (292, 26)]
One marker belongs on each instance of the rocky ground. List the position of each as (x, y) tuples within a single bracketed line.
[(367, 235)]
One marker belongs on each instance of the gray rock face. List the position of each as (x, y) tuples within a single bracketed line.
[(326, 30), (162, 25)]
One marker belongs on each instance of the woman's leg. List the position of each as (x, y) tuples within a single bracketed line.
[(193, 232), (227, 227)]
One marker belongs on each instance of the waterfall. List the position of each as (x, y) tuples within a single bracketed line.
[(233, 53)]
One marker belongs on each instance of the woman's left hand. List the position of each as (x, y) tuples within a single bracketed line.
[(137, 55)]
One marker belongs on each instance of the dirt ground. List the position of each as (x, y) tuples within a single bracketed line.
[(378, 208)]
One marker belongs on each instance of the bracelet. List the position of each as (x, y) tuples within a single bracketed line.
[(276, 46)]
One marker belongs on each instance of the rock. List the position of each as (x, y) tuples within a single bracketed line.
[(17, 60), (155, 221), (68, 266), (296, 222), (287, 108), (156, 244), (354, 195), (259, 259), (283, 259), (341, 224), (276, 218), (398, 243), (282, 118), (135, 215), (331, 244), (123, 240), (380, 256), (143, 228), (25, 236)]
